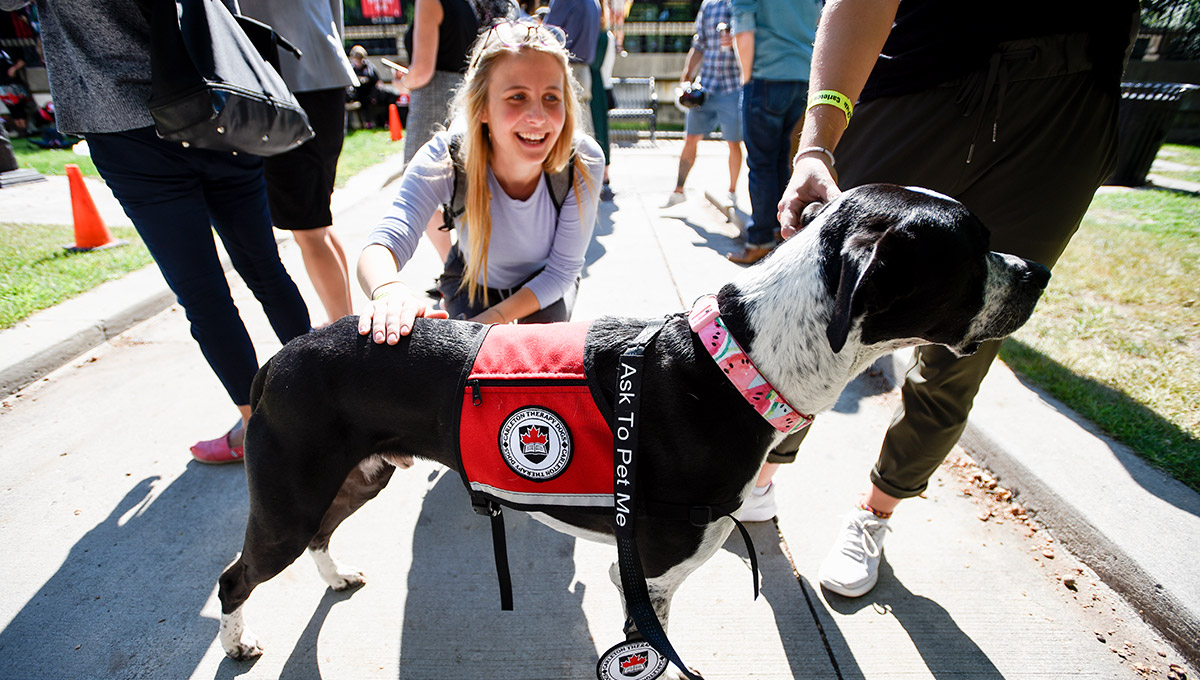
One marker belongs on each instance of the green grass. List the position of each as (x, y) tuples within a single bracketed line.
[(1117, 334), (51, 161), (1181, 153), (362, 149), (1184, 155), (37, 272)]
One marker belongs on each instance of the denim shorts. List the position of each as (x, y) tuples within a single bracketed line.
[(724, 108)]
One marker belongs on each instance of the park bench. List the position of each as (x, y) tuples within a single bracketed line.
[(637, 101)]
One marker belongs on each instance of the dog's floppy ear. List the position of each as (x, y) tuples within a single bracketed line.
[(843, 301), (862, 270)]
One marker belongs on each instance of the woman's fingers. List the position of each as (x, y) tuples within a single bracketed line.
[(365, 319), (399, 318), (389, 318)]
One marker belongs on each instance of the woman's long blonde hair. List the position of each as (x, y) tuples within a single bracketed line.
[(475, 151)]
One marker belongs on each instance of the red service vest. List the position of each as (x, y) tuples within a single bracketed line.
[(530, 433)]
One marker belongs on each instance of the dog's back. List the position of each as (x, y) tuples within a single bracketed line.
[(339, 390)]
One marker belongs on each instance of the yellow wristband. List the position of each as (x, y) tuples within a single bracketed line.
[(376, 295), (833, 98)]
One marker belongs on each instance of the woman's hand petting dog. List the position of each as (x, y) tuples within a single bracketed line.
[(391, 314)]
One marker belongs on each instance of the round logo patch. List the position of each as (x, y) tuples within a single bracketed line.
[(535, 443), (631, 661)]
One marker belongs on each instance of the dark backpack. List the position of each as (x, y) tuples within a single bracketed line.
[(559, 184)]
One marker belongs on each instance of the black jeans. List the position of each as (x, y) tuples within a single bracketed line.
[(175, 198)]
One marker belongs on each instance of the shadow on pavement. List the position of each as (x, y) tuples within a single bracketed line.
[(604, 227), (713, 241), (869, 383), (126, 600), (791, 601), (947, 651), (453, 625), (303, 662), (1142, 423)]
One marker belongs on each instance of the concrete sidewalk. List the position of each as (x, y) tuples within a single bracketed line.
[(120, 537)]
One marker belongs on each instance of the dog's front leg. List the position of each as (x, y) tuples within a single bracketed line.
[(661, 590), (688, 553), (236, 639)]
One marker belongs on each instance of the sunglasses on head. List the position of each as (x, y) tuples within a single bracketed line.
[(518, 33)]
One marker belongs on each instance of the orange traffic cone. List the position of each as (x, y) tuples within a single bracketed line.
[(394, 125), (90, 232)]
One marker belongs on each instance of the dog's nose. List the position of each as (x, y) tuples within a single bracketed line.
[(1037, 274)]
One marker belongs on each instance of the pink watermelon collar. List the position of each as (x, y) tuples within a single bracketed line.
[(705, 320)]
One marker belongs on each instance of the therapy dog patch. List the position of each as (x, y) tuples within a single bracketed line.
[(535, 443), (530, 433), (631, 661)]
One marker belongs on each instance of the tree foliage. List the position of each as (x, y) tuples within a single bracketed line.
[(1180, 20)]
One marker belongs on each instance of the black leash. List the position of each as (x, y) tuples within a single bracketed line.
[(703, 515), (625, 445)]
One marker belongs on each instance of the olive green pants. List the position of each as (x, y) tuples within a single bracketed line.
[(1023, 143)]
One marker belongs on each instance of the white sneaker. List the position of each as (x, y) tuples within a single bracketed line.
[(852, 566), (732, 198), (758, 507), (674, 199)]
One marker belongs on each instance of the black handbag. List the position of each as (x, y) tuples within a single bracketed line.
[(215, 82)]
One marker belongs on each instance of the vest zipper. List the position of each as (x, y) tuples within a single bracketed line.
[(476, 394)]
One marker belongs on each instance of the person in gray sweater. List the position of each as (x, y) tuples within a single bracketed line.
[(97, 56)]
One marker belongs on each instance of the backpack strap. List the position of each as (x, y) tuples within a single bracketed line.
[(458, 197), (559, 184)]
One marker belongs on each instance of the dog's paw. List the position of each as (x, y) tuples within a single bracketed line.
[(236, 639), (347, 580), (338, 576), (245, 650)]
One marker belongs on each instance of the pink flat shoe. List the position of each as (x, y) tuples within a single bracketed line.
[(217, 451)]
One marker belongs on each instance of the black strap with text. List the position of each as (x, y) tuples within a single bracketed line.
[(625, 444)]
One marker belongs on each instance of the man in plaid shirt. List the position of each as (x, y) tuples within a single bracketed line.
[(712, 54)]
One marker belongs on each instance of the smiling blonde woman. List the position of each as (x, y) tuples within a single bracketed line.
[(520, 248)]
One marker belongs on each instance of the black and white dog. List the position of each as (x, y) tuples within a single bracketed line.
[(878, 269)]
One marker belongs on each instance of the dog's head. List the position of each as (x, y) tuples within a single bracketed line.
[(913, 264)]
